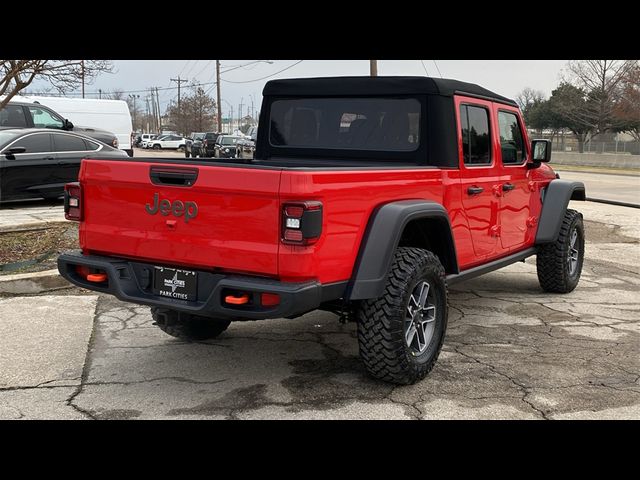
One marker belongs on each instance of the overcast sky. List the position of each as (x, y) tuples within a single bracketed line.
[(505, 77)]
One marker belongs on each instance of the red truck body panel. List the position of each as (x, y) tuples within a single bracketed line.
[(236, 228)]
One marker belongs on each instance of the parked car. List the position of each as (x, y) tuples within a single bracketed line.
[(33, 115), (147, 142), (226, 146), (87, 114), (209, 144), (193, 146), (246, 148), (368, 198), (144, 138), (174, 142), (37, 163)]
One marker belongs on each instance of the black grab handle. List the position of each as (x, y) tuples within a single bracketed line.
[(176, 177)]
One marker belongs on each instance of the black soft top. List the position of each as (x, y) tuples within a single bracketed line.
[(329, 86)]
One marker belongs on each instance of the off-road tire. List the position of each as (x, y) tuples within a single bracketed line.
[(187, 154), (381, 333), (552, 262), (187, 326)]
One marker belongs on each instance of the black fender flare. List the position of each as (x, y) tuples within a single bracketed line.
[(555, 201), (381, 239)]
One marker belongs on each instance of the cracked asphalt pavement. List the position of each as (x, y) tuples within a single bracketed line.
[(511, 352)]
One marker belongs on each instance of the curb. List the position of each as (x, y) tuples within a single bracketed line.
[(32, 282)]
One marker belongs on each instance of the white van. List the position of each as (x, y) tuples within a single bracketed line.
[(110, 115)]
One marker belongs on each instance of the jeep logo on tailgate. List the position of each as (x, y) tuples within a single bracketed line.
[(177, 208)]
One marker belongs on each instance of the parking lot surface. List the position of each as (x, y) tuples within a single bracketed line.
[(511, 352)]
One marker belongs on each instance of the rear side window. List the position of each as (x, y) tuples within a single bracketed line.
[(511, 139), (373, 124), (69, 143), (476, 138), (37, 143), (12, 116), (91, 145)]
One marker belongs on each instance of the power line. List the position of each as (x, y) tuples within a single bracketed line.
[(185, 66), (425, 68), (268, 76), (206, 66), (434, 62)]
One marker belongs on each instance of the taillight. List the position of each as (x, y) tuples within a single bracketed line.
[(301, 222), (205, 143), (73, 201)]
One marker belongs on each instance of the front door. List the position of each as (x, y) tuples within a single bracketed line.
[(478, 175), (29, 174), (515, 211)]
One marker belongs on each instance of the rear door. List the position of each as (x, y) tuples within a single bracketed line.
[(478, 174), (516, 194), (70, 150)]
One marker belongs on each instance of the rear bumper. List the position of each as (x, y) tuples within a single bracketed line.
[(131, 281)]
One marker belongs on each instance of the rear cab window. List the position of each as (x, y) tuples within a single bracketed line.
[(351, 128)]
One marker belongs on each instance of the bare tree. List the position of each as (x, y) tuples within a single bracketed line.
[(528, 97), (627, 110), (116, 95), (62, 75), (196, 113), (602, 82)]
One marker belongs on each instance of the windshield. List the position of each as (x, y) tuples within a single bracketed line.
[(229, 140), (378, 124), (199, 136)]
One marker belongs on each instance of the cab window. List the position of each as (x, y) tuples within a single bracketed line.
[(476, 139), (511, 139)]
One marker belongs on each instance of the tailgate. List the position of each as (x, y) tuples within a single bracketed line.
[(228, 218)]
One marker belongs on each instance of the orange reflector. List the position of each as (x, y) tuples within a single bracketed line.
[(270, 299), (97, 277), (237, 300)]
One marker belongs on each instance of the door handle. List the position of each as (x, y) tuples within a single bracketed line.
[(475, 190), (63, 163), (507, 187), (47, 158)]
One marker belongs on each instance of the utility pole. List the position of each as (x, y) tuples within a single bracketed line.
[(147, 102), (154, 110), (179, 82), (373, 68), (159, 112), (218, 99), (82, 69), (133, 97), (240, 112)]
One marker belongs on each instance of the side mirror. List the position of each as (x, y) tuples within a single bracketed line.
[(12, 151), (541, 150), (67, 125)]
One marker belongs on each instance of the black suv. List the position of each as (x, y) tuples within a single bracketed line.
[(36, 115), (209, 144), (193, 147)]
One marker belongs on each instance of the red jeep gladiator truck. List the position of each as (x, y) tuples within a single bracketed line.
[(367, 197)]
